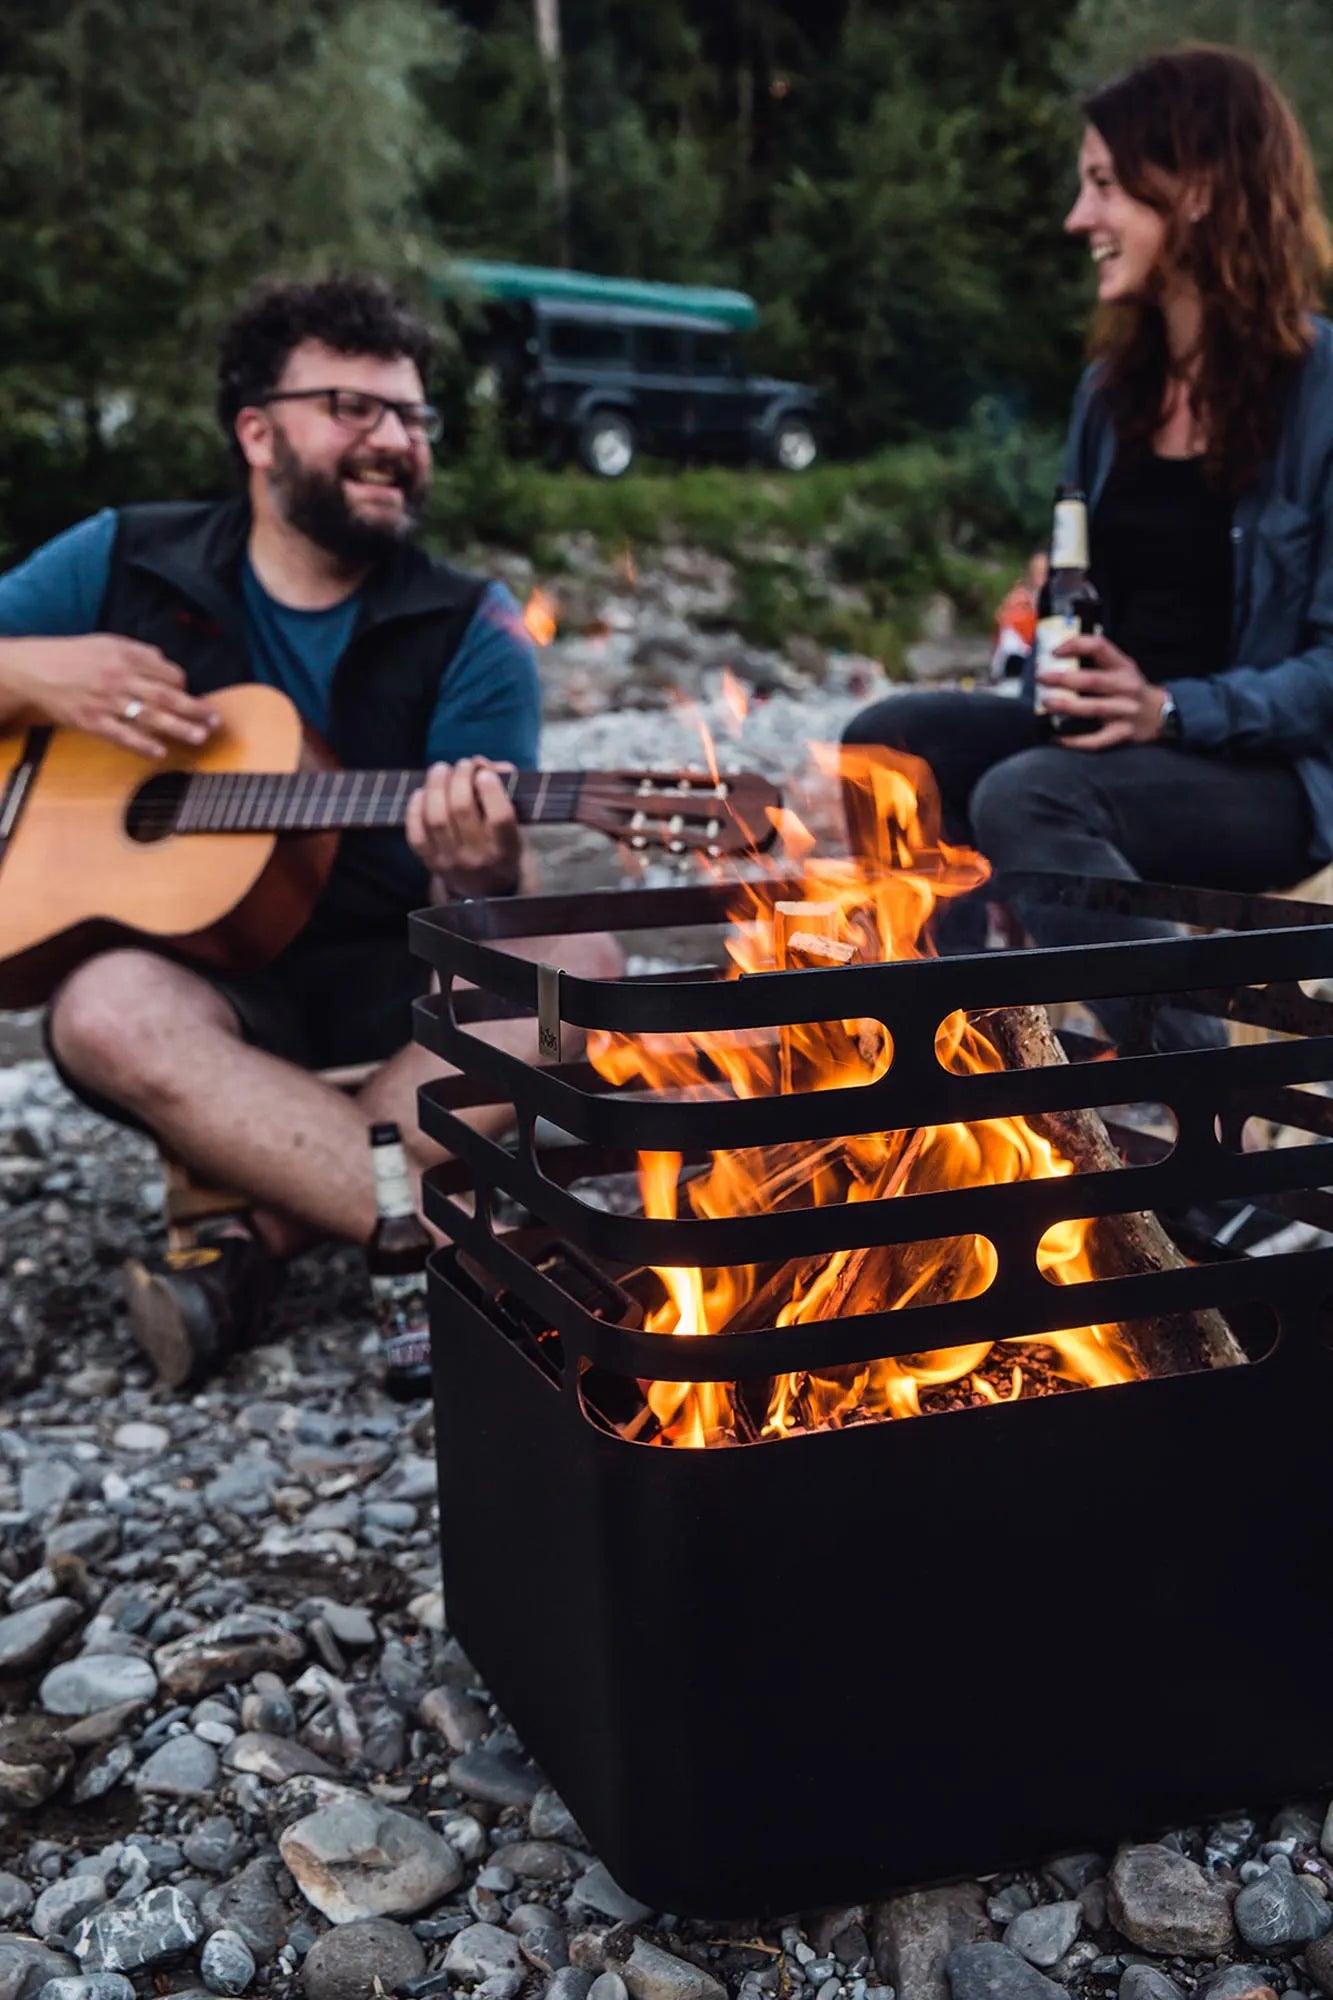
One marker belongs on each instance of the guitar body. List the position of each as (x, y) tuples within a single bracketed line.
[(74, 881)]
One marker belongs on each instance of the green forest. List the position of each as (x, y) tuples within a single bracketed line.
[(887, 178)]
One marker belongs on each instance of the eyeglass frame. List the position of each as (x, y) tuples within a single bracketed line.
[(417, 419)]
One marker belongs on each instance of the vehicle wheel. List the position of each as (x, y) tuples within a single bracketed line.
[(606, 444), (794, 446)]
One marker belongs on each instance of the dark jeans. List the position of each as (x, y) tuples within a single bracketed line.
[(1151, 810)]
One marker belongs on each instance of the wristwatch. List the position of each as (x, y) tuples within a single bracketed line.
[(1168, 721)]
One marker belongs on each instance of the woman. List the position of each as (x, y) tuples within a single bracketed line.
[(1203, 438)]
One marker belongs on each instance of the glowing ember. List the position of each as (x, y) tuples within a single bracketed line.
[(540, 617), (847, 912)]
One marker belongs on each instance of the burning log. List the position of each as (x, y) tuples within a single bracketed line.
[(1122, 1246)]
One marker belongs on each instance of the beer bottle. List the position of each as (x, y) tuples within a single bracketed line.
[(1068, 604), (396, 1259)]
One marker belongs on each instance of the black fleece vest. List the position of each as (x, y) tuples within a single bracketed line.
[(176, 583)]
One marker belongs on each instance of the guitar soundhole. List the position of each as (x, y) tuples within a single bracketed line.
[(153, 809)]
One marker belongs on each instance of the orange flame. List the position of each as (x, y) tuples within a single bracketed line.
[(871, 913), (541, 617), (735, 699)]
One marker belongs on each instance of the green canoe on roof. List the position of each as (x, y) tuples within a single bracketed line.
[(530, 281)]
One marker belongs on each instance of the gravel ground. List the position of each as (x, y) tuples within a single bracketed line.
[(239, 1751)]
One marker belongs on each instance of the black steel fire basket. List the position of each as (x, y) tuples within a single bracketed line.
[(810, 1668)]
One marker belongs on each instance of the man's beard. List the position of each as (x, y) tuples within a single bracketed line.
[(315, 504)]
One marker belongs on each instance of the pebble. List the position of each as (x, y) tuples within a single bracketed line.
[(1074, 1871), (542, 1861), (1162, 1901), (1042, 1936), (184, 1768), (270, 1713), (551, 1819), (1319, 1962), (1008, 1903), (27, 1637), (459, 1717), (571, 1984), (97, 1986), (346, 1963), (15, 1898), (351, 1625), (915, 1933), (546, 1947), (249, 1905), (1281, 1910), (101, 1774), (62, 1906), (1147, 1982), (34, 1762), (498, 1779), (480, 1950), (595, 1890), (355, 1858), (95, 1681), (993, 1972), (428, 1610), (652, 1974), (154, 1929), (215, 1845), (275, 1758), (25, 1967), (227, 1963), (230, 1649), (1237, 1982), (151, 1439), (46, 1486), (608, 1986)]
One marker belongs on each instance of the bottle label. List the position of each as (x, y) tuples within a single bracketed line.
[(393, 1185), (403, 1318), (1051, 632), (1069, 537)]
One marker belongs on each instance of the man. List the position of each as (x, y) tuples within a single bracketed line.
[(311, 581)]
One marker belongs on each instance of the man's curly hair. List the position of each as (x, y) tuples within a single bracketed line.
[(350, 314)]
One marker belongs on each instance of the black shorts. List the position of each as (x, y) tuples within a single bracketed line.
[(322, 1004)]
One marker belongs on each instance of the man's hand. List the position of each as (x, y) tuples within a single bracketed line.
[(1108, 686), (462, 825), (131, 694)]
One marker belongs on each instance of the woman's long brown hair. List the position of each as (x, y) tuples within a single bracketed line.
[(1208, 121)]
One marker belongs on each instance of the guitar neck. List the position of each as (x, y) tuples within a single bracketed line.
[(339, 801)]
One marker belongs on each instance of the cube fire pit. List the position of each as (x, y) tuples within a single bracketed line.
[(841, 1646)]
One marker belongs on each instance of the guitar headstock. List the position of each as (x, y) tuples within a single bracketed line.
[(682, 811)]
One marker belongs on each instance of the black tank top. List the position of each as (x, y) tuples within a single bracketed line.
[(1161, 559)]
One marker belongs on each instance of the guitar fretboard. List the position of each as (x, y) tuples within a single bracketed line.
[(325, 801)]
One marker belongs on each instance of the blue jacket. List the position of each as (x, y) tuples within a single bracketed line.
[(1276, 695)]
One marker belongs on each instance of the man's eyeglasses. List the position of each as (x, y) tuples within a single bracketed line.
[(361, 412)]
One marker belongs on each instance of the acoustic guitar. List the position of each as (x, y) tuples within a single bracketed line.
[(220, 854)]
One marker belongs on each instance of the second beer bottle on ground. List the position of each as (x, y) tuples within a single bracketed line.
[(1068, 604), (396, 1258)]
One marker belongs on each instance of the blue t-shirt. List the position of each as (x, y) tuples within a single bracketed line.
[(489, 704)]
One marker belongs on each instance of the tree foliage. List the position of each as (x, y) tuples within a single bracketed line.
[(888, 178)]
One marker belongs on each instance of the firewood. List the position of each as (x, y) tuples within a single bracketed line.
[(1120, 1245)]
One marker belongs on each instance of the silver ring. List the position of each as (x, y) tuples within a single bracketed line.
[(131, 711)]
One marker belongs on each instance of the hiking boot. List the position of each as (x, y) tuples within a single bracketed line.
[(190, 1310)]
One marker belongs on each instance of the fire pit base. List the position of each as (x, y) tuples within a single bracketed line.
[(815, 1669)]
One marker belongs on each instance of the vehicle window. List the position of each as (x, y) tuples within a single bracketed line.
[(660, 350), (584, 340), (714, 354)]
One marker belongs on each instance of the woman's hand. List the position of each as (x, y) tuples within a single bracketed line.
[(1108, 686), (462, 825), (130, 693)]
